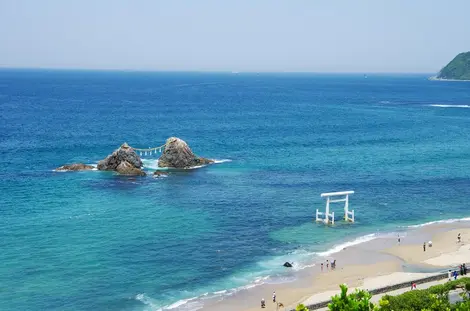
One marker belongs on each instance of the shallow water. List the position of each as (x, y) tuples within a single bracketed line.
[(94, 240)]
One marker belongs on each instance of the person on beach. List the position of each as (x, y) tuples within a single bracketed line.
[(430, 244), (449, 275), (455, 274), (322, 266), (263, 303), (274, 296), (399, 240), (458, 238), (464, 269), (424, 246), (333, 264), (327, 264)]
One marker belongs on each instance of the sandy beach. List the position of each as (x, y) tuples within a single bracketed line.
[(375, 264)]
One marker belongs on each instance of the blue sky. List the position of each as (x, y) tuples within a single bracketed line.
[(237, 35)]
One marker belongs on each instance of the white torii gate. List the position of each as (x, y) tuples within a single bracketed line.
[(348, 215)]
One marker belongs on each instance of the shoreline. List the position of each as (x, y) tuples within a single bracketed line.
[(353, 268)]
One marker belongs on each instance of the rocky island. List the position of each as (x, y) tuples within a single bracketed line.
[(125, 161), (74, 167), (177, 154), (457, 69)]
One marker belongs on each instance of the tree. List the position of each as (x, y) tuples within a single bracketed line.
[(357, 301)]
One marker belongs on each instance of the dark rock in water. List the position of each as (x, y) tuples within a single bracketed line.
[(287, 265), (124, 160), (177, 154), (159, 174), (74, 167)]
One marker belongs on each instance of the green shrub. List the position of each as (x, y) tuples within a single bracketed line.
[(357, 301), (301, 307)]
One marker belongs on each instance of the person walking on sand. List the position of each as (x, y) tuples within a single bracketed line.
[(424, 246), (327, 264), (399, 240), (449, 275), (263, 303), (322, 266), (458, 237), (274, 296)]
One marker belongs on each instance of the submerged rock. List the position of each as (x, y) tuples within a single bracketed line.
[(159, 174), (74, 167), (123, 160), (177, 154)]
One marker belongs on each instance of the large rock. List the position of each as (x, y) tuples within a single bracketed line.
[(125, 168), (177, 154), (123, 160), (74, 167)]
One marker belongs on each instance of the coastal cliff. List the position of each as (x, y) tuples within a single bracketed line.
[(457, 69)]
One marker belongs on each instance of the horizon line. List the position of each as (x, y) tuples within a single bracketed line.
[(2, 68)]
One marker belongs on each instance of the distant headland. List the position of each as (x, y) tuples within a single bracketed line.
[(457, 70)]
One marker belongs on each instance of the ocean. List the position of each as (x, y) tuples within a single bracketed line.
[(97, 241)]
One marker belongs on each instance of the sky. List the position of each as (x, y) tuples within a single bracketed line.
[(234, 35)]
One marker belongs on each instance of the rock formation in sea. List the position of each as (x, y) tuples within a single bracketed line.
[(177, 154), (74, 167), (123, 160)]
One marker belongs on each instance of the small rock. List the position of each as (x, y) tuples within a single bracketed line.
[(159, 174), (287, 265), (74, 167)]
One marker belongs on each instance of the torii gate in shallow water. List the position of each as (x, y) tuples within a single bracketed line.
[(348, 215)]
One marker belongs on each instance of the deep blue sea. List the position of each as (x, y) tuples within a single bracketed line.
[(97, 241)]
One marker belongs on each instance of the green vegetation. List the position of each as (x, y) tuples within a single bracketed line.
[(359, 300), (457, 69), (435, 298), (301, 307)]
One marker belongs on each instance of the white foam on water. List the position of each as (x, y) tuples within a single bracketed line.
[(148, 301), (222, 161), (449, 106), (180, 303), (444, 221), (153, 164), (337, 248), (150, 163)]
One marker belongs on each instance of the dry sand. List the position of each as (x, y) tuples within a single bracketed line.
[(442, 253)]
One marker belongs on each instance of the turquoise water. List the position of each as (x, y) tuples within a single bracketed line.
[(97, 241)]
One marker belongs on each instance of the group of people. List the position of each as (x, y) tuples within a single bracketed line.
[(263, 302), (333, 265), (454, 274)]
